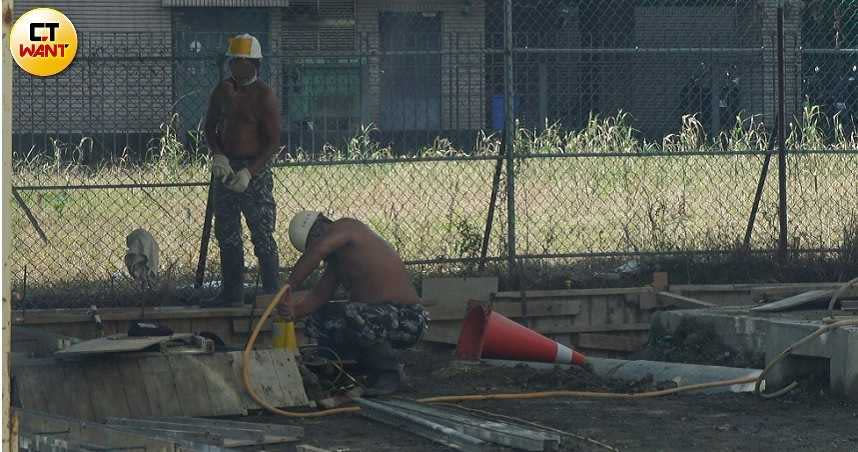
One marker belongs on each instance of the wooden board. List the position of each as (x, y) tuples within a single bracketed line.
[(443, 331), (154, 384), (189, 377), (106, 388), (620, 343), (160, 385), (531, 294), (73, 382), (117, 343), (795, 301), (447, 298), (538, 308), (672, 299), (225, 390), (243, 326), (274, 378), (135, 388)]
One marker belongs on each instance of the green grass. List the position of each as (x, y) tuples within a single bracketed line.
[(653, 199)]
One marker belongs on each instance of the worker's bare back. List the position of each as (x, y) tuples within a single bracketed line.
[(369, 267), (241, 117)]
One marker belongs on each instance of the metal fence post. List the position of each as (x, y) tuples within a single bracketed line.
[(509, 135), (782, 181)]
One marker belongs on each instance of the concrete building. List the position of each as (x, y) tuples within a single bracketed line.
[(414, 69), (141, 61)]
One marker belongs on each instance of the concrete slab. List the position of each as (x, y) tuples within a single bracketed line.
[(769, 334)]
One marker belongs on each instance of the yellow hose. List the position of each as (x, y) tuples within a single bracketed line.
[(245, 373), (245, 368)]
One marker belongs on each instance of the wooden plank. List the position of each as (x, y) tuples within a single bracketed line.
[(289, 377), (6, 296), (189, 377), (538, 308), (570, 293), (179, 326), (447, 298), (648, 301), (75, 382), (795, 301), (563, 328), (616, 310), (81, 315), (31, 392), (160, 386), (660, 281), (106, 390), (264, 380), (673, 299), (135, 387), (443, 331), (225, 390), (598, 313), (613, 342), (243, 326), (117, 343), (221, 327), (52, 379)]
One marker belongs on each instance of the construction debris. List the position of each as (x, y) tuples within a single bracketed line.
[(213, 432), (137, 385), (46, 432), (457, 430)]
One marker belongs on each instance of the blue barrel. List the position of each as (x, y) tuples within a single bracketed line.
[(498, 108)]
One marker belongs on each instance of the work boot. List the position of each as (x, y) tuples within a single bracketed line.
[(269, 268), (232, 271), (385, 372)]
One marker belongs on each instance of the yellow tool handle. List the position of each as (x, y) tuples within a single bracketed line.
[(284, 335)]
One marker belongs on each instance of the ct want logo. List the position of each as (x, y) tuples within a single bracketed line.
[(43, 42)]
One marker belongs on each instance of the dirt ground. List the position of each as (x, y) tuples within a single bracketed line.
[(807, 419)]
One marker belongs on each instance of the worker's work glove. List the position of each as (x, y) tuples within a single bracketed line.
[(220, 167), (239, 181)]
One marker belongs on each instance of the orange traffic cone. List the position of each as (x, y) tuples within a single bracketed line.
[(487, 334)]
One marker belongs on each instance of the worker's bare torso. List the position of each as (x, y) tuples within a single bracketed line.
[(369, 267), (241, 118)]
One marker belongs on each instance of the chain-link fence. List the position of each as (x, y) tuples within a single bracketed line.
[(637, 128)]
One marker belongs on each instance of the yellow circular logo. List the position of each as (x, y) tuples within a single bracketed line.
[(43, 42)]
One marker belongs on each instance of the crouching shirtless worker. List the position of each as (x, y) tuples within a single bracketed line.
[(383, 313)]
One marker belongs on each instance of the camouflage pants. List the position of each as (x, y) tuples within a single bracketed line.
[(259, 209), (368, 324)]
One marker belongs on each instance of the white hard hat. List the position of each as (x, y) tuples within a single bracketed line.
[(244, 46), (299, 228)]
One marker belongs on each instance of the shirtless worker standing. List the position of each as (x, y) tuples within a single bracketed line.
[(242, 129), (383, 313)]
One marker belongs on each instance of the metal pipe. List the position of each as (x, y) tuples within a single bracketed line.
[(782, 183), (509, 135)]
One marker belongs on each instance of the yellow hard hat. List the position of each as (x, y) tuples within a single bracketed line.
[(244, 46)]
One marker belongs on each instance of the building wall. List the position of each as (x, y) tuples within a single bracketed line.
[(656, 81), (792, 58), (96, 94), (462, 74)]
